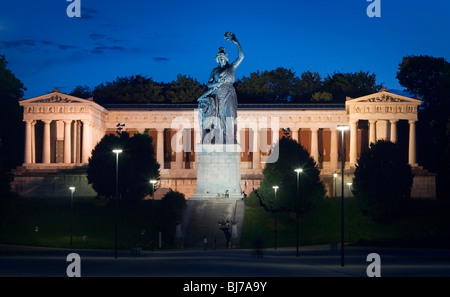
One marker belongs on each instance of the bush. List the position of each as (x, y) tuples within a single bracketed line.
[(252, 200), (281, 173), (136, 166), (170, 214), (382, 183)]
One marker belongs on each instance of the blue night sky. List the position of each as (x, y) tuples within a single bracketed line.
[(160, 39)]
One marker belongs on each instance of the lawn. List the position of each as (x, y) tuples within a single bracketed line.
[(92, 221), (424, 224)]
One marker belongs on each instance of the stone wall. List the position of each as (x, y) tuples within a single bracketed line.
[(52, 185), (31, 183)]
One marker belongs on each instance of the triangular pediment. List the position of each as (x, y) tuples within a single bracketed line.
[(55, 97), (383, 96)]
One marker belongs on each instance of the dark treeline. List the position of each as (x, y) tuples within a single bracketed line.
[(275, 86)]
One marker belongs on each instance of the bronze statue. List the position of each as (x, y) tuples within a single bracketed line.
[(218, 106)]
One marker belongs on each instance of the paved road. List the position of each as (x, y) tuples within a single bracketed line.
[(315, 261)]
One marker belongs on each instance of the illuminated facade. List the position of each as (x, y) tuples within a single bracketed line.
[(61, 131)]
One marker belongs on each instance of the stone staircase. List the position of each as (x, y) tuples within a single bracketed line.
[(201, 219)]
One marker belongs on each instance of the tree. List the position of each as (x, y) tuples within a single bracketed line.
[(137, 166), (282, 85), (12, 129), (80, 91), (184, 90), (132, 89), (382, 182), (174, 201), (12, 132), (274, 86), (281, 173), (322, 96), (308, 84), (354, 85), (429, 78), (173, 204)]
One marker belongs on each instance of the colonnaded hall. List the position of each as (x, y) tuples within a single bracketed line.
[(62, 130)]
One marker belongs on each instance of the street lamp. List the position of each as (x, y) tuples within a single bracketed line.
[(298, 171), (153, 182), (275, 189), (349, 184), (342, 128), (72, 189), (334, 182), (117, 152)]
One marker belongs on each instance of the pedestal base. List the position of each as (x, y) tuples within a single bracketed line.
[(218, 171)]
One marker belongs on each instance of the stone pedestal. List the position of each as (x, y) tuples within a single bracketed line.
[(218, 170)]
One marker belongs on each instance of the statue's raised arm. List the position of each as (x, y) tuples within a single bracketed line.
[(231, 37)]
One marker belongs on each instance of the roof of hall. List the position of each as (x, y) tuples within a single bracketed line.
[(163, 106)]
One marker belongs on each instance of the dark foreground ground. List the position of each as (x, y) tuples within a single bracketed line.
[(313, 261)]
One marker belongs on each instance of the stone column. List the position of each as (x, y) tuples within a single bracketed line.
[(93, 138), (46, 142), (256, 158), (315, 144), (372, 131), (28, 142), (160, 147), (295, 134), (67, 142), (179, 154), (393, 133), (75, 141), (98, 134), (334, 149), (412, 143), (197, 140), (33, 142), (187, 144), (86, 142), (353, 142)]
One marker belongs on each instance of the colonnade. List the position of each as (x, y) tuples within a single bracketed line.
[(375, 134), (78, 136)]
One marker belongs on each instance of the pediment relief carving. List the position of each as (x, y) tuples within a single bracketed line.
[(385, 98), (384, 109), (56, 99)]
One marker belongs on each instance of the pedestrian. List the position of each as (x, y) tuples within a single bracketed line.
[(215, 242), (205, 243)]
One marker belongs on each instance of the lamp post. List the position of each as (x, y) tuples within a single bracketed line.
[(117, 152), (349, 184), (342, 128), (72, 189), (334, 182), (153, 182), (298, 171), (275, 230)]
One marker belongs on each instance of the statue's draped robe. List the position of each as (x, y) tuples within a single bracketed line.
[(225, 99)]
